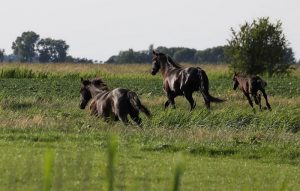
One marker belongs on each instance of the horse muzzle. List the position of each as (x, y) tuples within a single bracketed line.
[(153, 72), (82, 105)]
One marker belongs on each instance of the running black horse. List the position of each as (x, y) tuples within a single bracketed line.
[(179, 81)]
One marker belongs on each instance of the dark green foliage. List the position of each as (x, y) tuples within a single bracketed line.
[(211, 55), (2, 52), (131, 57), (180, 54), (185, 55), (71, 59), (24, 46), (260, 47), (51, 50)]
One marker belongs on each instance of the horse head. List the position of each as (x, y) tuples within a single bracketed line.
[(155, 62), (85, 93), (235, 81)]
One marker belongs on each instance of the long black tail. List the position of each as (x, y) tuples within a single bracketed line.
[(136, 103), (204, 88)]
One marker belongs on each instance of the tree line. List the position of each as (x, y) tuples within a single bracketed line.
[(255, 48), (180, 54), (29, 47), (259, 47)]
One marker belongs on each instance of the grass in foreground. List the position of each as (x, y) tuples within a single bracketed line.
[(229, 148)]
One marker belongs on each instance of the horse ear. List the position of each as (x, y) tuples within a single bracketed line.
[(97, 81), (85, 82), (154, 53)]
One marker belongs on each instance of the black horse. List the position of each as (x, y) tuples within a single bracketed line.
[(250, 85), (181, 81)]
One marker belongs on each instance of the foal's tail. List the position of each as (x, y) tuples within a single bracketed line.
[(262, 82), (136, 103), (204, 88)]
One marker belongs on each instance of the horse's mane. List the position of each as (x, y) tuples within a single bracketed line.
[(99, 83), (171, 62)]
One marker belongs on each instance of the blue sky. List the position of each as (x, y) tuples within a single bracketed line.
[(97, 29)]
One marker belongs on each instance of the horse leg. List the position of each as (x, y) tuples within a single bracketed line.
[(123, 118), (170, 100), (249, 99), (257, 99), (167, 104), (206, 100), (189, 97), (266, 98), (135, 117)]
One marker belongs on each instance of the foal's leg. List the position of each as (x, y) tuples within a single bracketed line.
[(249, 99), (189, 97), (266, 98), (257, 99)]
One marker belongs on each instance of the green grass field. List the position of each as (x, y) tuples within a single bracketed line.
[(48, 143)]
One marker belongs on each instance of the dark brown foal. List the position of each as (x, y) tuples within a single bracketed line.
[(250, 85)]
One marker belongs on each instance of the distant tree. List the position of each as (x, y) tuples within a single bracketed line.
[(71, 59), (211, 55), (24, 46), (180, 54), (112, 60), (185, 55), (260, 47), (2, 53), (150, 49), (50, 50), (130, 57)]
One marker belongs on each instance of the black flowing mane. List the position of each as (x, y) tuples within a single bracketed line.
[(172, 63)]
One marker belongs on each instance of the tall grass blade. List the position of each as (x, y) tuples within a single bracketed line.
[(48, 170), (178, 174), (111, 152)]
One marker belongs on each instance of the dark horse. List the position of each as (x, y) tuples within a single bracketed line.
[(250, 85), (116, 103), (181, 81)]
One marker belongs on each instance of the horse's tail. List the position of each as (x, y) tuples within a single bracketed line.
[(136, 103), (262, 82), (204, 88)]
